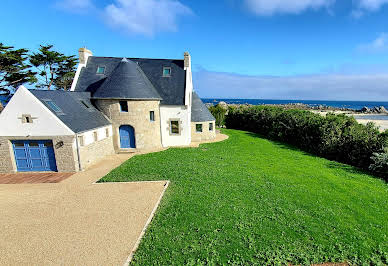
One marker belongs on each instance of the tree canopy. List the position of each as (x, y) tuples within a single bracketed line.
[(55, 69), (14, 69)]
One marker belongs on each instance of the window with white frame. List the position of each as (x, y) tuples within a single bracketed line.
[(198, 127), (81, 141)]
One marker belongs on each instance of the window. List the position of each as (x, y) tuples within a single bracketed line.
[(53, 106), (174, 127), (198, 127), (95, 135), (166, 71), (27, 119), (81, 140), (107, 132), (124, 106), (152, 116), (211, 127), (100, 70), (85, 104)]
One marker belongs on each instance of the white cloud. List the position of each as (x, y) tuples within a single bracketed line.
[(145, 16), (271, 7), (371, 5), (304, 87), (75, 5), (380, 44)]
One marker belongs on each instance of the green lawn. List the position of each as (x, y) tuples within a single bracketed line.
[(249, 200)]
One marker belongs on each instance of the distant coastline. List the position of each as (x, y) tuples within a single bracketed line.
[(354, 105)]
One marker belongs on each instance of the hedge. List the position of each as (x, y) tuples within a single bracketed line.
[(335, 137)]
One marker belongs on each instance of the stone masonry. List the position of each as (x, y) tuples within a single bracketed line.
[(147, 133), (206, 134), (95, 151)]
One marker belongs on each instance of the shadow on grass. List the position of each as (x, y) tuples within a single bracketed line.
[(330, 164)]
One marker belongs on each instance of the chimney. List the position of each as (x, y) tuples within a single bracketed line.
[(83, 55), (187, 62)]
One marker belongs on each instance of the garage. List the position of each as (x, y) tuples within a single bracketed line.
[(34, 155)]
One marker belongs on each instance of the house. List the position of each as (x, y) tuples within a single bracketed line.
[(115, 105)]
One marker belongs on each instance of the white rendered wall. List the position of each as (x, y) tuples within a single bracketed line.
[(179, 113), (89, 135), (45, 123)]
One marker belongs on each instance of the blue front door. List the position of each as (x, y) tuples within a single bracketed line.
[(34, 155), (127, 137)]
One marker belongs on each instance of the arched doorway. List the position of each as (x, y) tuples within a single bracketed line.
[(127, 137)]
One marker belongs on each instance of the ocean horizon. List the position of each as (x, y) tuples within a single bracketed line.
[(355, 105)]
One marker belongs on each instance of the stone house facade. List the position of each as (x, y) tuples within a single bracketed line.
[(115, 105)]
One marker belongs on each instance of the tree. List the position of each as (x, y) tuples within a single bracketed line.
[(55, 69), (14, 71)]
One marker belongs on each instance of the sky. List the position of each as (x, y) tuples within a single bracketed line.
[(264, 49)]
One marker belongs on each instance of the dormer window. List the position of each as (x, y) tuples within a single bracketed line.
[(166, 71), (100, 70)]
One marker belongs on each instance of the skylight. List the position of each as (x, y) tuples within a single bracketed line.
[(53, 106)]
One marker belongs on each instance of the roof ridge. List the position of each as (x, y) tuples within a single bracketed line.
[(130, 58)]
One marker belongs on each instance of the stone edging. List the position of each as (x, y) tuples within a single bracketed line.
[(147, 223)]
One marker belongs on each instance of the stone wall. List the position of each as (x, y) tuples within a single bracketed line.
[(64, 148), (206, 134), (95, 151), (147, 133)]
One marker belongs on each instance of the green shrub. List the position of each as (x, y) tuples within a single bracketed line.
[(335, 137), (380, 163), (219, 114)]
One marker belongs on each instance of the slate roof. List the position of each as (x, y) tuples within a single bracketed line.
[(73, 112), (199, 111), (170, 89), (127, 81)]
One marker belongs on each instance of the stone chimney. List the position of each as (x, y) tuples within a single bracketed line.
[(83, 55), (187, 62)]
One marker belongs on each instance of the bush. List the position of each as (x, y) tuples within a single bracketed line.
[(335, 137), (219, 114), (380, 163)]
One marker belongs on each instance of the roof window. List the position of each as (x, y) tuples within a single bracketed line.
[(166, 71), (100, 70), (53, 106), (85, 104)]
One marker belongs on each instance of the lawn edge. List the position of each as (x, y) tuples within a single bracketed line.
[(135, 247)]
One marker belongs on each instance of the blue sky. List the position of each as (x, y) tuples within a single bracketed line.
[(273, 49)]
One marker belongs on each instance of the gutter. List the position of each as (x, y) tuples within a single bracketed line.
[(78, 153)]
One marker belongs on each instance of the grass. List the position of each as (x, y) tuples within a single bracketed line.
[(249, 200)]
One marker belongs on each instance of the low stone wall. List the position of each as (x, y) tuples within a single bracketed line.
[(206, 134), (95, 151), (64, 149)]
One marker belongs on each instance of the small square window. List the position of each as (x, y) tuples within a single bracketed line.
[(174, 127), (166, 71), (124, 106), (107, 132), (198, 127), (27, 119), (95, 134), (211, 126), (152, 116), (100, 70)]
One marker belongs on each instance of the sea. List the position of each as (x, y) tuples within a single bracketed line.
[(355, 105)]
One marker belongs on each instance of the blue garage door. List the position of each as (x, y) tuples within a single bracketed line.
[(34, 155), (127, 137)]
